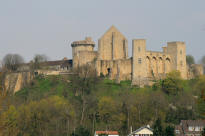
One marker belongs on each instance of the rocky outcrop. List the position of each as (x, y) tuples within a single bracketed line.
[(13, 82)]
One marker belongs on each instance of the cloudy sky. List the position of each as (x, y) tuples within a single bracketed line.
[(30, 27)]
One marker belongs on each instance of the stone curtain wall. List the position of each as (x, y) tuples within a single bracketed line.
[(158, 64)]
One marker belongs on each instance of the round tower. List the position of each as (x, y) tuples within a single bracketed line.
[(84, 45)]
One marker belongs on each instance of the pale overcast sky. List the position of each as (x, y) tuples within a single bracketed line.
[(30, 27)]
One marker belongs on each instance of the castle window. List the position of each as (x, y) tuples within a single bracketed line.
[(181, 52), (108, 71), (177, 131), (139, 60), (139, 49)]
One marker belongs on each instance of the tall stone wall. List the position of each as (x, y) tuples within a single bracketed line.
[(158, 64), (112, 45), (83, 57), (13, 82), (177, 51), (124, 70), (108, 68), (76, 49), (115, 69), (139, 67)]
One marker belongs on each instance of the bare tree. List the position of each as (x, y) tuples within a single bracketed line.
[(83, 80), (38, 59), (12, 61), (190, 60), (1, 65)]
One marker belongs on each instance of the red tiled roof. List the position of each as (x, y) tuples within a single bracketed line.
[(107, 132)]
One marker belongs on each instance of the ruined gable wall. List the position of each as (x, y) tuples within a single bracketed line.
[(112, 46)]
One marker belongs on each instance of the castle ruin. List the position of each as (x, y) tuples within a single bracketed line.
[(112, 59)]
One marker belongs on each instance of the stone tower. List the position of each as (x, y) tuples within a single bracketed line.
[(112, 45), (139, 72), (83, 46), (177, 51)]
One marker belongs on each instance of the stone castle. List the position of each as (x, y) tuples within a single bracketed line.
[(112, 59)]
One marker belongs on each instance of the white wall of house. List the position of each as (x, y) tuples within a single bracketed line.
[(144, 131), (108, 135)]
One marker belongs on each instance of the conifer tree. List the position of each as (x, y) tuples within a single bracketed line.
[(203, 132), (169, 131), (158, 131)]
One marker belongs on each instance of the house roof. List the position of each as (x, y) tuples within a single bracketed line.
[(107, 132), (140, 130), (185, 124), (57, 62), (192, 123)]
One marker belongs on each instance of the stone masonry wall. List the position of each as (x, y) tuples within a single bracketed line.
[(15, 81)]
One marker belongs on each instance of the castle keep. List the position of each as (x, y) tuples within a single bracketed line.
[(112, 58)]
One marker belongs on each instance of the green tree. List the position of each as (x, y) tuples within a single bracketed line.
[(172, 85), (158, 131), (9, 122), (169, 131), (38, 60), (82, 82), (202, 61), (81, 131), (107, 110), (50, 116), (203, 132), (190, 60)]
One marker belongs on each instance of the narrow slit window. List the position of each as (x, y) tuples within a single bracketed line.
[(139, 60), (139, 49)]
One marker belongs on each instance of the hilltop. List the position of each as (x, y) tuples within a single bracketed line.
[(60, 104)]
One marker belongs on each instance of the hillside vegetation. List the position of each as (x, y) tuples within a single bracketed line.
[(70, 105)]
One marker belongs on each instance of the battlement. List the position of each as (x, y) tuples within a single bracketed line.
[(87, 42), (139, 39), (176, 42)]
